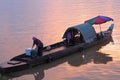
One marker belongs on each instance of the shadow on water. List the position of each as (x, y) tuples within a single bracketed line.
[(95, 57), (77, 59)]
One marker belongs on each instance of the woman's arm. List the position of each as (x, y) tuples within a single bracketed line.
[(33, 44)]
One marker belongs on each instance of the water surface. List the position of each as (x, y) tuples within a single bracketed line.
[(20, 20)]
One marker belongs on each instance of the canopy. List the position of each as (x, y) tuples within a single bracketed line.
[(86, 30), (99, 20)]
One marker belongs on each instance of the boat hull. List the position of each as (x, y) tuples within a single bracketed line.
[(8, 67)]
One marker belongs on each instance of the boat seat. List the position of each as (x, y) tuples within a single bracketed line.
[(14, 62), (26, 59)]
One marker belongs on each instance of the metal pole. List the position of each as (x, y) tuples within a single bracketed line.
[(100, 27)]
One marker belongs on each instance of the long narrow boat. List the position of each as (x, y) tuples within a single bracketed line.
[(76, 60), (58, 50)]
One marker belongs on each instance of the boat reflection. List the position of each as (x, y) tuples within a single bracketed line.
[(77, 60), (95, 57)]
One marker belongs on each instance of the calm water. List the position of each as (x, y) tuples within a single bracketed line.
[(20, 20)]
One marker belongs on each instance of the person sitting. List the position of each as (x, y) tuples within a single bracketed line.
[(111, 27), (39, 46), (109, 30), (68, 38)]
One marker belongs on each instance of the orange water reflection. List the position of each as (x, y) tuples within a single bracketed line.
[(48, 20)]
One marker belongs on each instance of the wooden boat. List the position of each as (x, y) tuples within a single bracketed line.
[(58, 50), (78, 59)]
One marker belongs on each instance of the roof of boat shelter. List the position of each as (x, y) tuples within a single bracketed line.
[(86, 30)]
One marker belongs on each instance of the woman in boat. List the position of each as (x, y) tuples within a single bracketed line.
[(39, 45), (68, 37)]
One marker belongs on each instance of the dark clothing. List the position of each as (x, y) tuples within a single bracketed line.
[(69, 38), (40, 51), (38, 44)]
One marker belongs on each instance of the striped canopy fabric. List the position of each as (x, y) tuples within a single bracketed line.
[(98, 20)]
